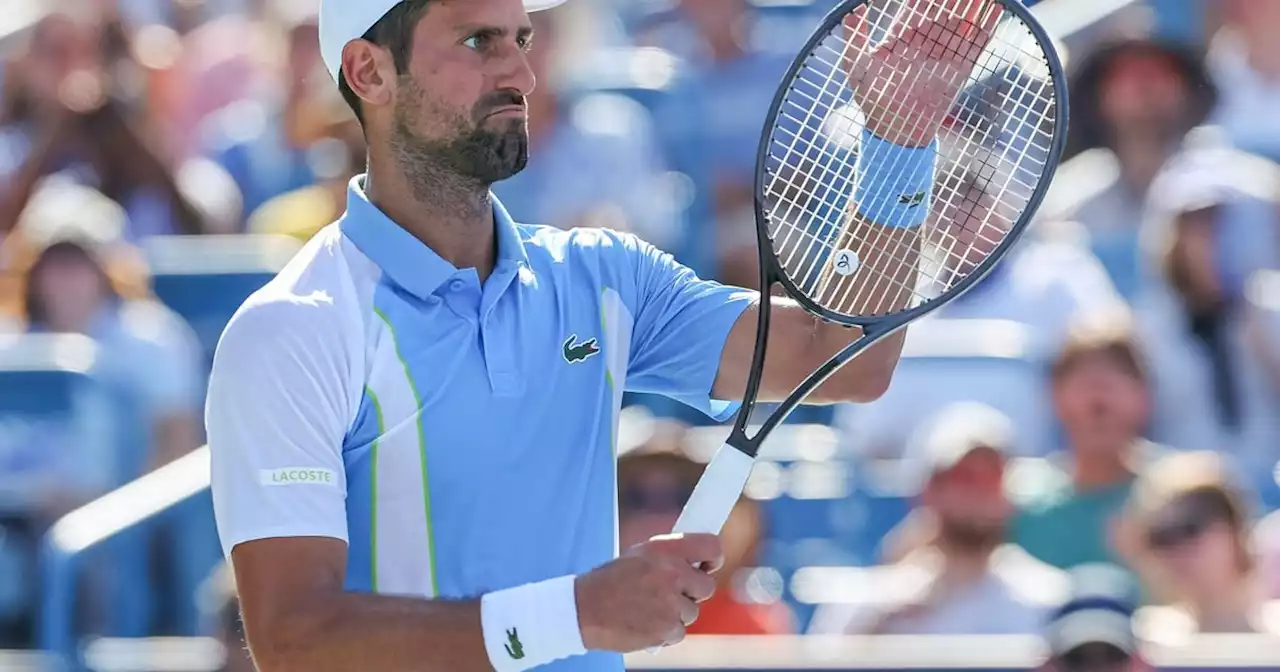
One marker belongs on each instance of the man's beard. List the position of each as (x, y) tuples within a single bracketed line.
[(474, 157), (973, 536)]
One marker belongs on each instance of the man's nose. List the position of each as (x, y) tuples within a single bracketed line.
[(517, 74)]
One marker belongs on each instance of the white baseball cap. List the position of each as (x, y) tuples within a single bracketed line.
[(342, 21), (1099, 610)]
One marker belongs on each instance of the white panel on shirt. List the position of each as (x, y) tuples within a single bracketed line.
[(284, 391)]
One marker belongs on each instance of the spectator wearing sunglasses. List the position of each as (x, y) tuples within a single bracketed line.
[(1187, 531), (1093, 631), (654, 482)]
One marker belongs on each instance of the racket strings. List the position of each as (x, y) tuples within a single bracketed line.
[(992, 160), (897, 254), (868, 291)]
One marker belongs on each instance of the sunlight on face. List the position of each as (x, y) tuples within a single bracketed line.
[(461, 105)]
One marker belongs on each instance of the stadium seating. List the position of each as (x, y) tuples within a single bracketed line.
[(53, 416)]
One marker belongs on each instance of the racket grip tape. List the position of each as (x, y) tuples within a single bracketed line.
[(894, 183), (716, 494)]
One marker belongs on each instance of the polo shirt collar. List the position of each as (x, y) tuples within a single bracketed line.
[(408, 261)]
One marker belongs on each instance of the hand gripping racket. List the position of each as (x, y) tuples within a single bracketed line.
[(976, 91)]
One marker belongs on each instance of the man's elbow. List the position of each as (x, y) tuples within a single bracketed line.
[(286, 644), (863, 380), (866, 384)]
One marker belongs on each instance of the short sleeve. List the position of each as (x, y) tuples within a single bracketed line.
[(277, 411), (681, 325)]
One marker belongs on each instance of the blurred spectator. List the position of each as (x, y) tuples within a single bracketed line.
[(730, 80), (1044, 285), (1100, 395), (66, 109), (1042, 288), (79, 281), (208, 65), (1186, 530), (337, 154), (1244, 59), (593, 158), (1262, 325), (966, 580), (1093, 631), (1213, 220), (1266, 539), (260, 125), (1135, 100), (654, 482)]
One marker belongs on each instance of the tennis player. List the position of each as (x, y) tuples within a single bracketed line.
[(412, 426)]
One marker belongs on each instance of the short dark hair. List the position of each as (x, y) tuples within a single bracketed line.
[(394, 32)]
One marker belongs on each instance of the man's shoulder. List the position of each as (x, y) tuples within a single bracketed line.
[(557, 245), (314, 300)]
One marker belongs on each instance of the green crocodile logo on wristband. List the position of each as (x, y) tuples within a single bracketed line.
[(514, 648), (912, 200)]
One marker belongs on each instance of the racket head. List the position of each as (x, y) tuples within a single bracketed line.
[(804, 127)]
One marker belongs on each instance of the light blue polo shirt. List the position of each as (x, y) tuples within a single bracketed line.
[(459, 436)]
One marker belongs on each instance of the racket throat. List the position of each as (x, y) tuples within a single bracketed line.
[(717, 492)]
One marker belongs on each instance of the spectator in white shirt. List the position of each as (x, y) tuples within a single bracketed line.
[(1138, 99), (1211, 224), (966, 581), (1044, 285)]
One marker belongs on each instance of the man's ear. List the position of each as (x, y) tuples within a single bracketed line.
[(369, 72)]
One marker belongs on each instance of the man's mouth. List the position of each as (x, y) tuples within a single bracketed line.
[(508, 111)]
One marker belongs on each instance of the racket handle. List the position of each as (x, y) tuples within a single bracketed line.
[(716, 494)]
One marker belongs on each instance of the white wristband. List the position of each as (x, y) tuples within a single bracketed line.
[(531, 625)]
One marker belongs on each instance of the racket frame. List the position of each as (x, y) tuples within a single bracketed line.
[(875, 328)]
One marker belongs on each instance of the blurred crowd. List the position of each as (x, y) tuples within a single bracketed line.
[(1093, 429)]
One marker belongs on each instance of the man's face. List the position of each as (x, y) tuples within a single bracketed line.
[(1100, 404), (1196, 548), (1143, 93), (461, 105), (970, 501), (713, 16)]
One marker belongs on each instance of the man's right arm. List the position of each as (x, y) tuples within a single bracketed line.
[(282, 395), (281, 398), (298, 617)]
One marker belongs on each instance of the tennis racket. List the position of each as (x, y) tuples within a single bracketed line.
[(980, 83)]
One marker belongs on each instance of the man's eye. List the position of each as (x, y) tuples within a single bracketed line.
[(476, 42)]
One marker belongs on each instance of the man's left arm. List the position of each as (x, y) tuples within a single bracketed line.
[(693, 339), (799, 343)]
